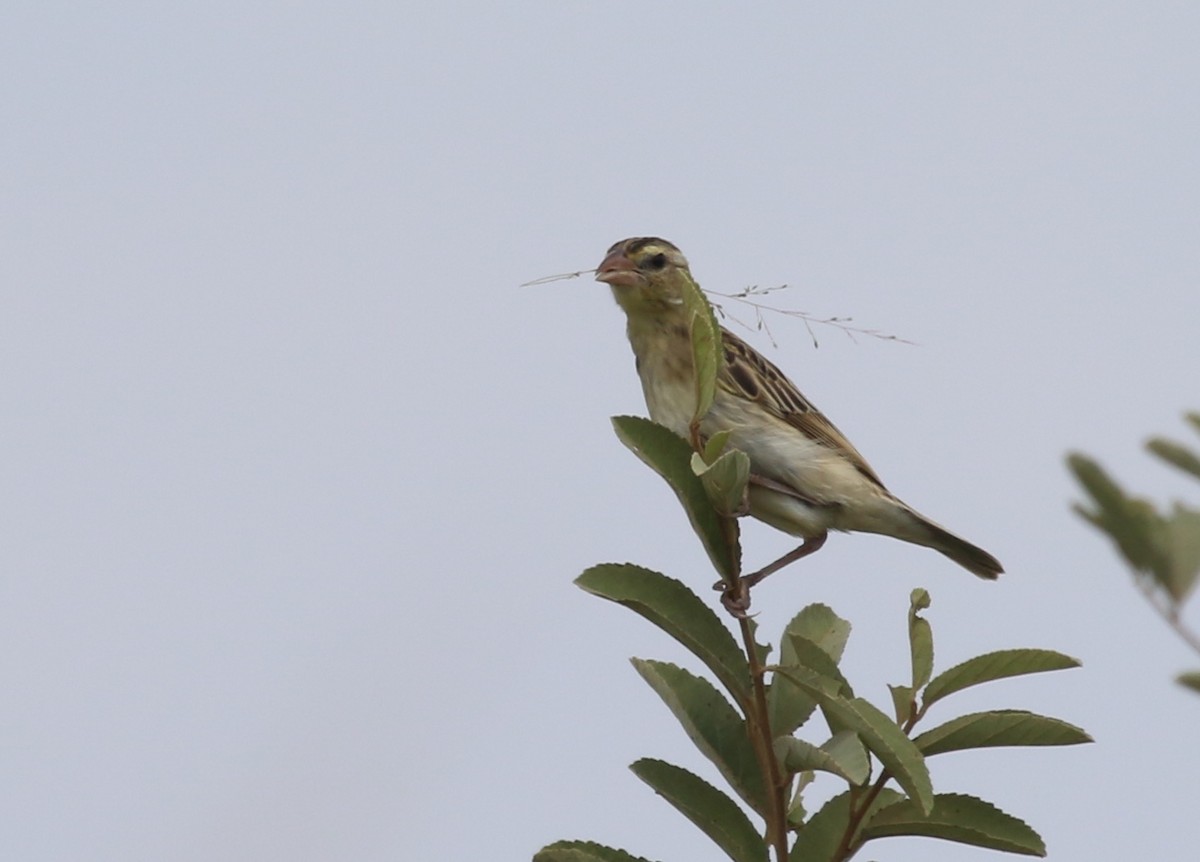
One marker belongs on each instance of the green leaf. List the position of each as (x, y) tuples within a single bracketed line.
[(848, 750), (718, 816), (716, 445), (821, 838), (820, 625), (817, 626), (804, 653), (788, 705), (1176, 454), (1194, 419), (960, 818), (583, 851), (920, 639), (675, 609), (995, 665), (670, 456), (726, 481), (999, 728), (843, 755), (761, 651), (796, 812), (706, 345), (1182, 539), (903, 702), (881, 735), (712, 724), (703, 353), (1191, 680), (1132, 523)]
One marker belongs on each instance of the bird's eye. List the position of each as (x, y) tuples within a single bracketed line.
[(656, 262)]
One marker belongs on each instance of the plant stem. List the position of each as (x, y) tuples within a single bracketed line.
[(759, 727), (844, 850), (1168, 609), (857, 814), (758, 720)]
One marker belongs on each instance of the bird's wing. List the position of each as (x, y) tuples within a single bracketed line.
[(746, 373)]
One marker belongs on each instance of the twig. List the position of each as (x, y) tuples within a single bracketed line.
[(842, 323), (1167, 609), (760, 323), (759, 729), (563, 276), (845, 324)]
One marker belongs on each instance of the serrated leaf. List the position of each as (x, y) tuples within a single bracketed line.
[(583, 851), (789, 706), (821, 838), (761, 651), (878, 732), (1191, 680), (678, 611), (706, 344), (804, 653), (820, 625), (903, 703), (1003, 727), (843, 755), (956, 817), (920, 639), (848, 750), (1175, 454), (670, 456), (796, 812), (816, 624), (712, 724), (992, 666), (718, 816), (726, 481), (716, 445)]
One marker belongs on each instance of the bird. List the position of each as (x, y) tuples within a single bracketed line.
[(806, 478)]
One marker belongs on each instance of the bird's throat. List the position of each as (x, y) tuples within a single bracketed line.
[(663, 348)]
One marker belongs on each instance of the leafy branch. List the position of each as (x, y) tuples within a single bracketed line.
[(1161, 547), (755, 724)]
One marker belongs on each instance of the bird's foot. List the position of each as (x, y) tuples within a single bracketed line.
[(735, 597)]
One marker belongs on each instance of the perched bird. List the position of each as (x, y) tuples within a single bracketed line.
[(806, 478)]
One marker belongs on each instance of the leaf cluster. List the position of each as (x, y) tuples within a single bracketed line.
[(757, 723), (1160, 545), (877, 756)]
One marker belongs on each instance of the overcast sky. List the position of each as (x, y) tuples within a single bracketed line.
[(296, 478)]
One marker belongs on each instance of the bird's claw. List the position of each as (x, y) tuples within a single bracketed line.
[(735, 597)]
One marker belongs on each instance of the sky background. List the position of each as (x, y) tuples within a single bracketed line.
[(297, 478)]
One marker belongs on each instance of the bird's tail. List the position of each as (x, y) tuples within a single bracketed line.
[(974, 559)]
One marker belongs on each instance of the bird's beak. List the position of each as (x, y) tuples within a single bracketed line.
[(617, 270)]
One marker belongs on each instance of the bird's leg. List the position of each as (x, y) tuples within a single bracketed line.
[(736, 597), (807, 547)]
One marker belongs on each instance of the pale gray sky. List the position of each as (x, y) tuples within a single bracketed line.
[(297, 479)]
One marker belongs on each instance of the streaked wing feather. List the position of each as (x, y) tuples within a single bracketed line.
[(746, 373)]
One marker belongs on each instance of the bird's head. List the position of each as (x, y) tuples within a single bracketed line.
[(644, 274)]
